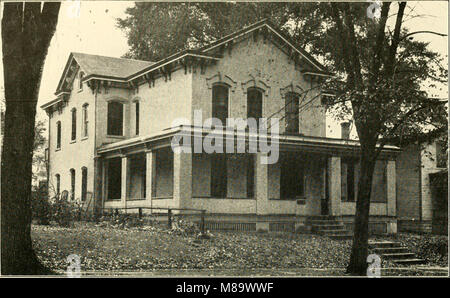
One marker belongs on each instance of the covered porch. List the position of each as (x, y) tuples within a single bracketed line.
[(313, 176)]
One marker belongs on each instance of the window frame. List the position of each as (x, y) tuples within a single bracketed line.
[(261, 93), (84, 181), (287, 103), (109, 129), (72, 184), (58, 135), (58, 183), (214, 102), (73, 130), (85, 121), (137, 108)]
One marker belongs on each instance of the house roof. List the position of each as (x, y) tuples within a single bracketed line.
[(127, 70), (109, 66)]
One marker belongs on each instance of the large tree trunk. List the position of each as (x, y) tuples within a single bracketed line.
[(26, 34), (358, 258)]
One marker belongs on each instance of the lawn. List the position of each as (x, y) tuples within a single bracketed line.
[(158, 250)]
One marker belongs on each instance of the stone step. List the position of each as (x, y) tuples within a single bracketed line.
[(411, 261), (383, 244), (398, 256), (383, 250)]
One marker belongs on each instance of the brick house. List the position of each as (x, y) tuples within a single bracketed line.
[(111, 125)]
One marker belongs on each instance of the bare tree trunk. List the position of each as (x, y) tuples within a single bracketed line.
[(26, 34), (358, 258)]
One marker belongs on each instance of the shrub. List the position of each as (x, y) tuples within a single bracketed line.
[(40, 207), (184, 227), (64, 212)]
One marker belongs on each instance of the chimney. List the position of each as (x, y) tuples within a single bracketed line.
[(345, 130)]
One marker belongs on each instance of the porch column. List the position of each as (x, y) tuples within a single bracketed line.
[(150, 171), (334, 166), (391, 185), (123, 189), (261, 185), (182, 179), (98, 186)]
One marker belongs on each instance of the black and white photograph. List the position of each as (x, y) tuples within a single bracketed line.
[(224, 139)]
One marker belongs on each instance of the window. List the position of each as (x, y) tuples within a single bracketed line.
[(74, 125), (136, 105), (58, 184), (291, 110), (58, 135), (292, 177), (85, 120), (378, 192), (219, 176), (72, 184), (348, 180), (80, 81), (114, 183), (220, 103), (83, 183), (115, 118), (254, 103), (250, 176)]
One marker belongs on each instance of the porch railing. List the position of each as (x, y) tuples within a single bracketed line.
[(170, 214)]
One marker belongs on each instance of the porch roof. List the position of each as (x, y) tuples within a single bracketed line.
[(286, 142)]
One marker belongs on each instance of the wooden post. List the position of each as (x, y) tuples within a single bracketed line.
[(202, 224), (169, 218)]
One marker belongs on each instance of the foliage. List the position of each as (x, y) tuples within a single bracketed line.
[(39, 166), (64, 212), (121, 220), (432, 248), (41, 207)]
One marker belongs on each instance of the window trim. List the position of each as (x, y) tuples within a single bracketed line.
[(58, 134), (221, 84), (73, 129), (85, 121), (123, 103)]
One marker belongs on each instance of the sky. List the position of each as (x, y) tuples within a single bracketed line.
[(90, 27)]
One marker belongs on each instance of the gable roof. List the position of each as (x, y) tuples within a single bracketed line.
[(104, 66), (127, 70)]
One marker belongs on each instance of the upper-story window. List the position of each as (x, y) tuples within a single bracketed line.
[(220, 103), (80, 80), (58, 135), (136, 109), (254, 103), (74, 125), (85, 120), (115, 118), (292, 110)]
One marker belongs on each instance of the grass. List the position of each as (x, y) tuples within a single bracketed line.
[(156, 249)]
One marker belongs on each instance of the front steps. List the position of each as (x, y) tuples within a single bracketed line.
[(394, 252), (329, 226)]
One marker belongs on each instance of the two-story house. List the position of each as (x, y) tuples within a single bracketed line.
[(111, 130)]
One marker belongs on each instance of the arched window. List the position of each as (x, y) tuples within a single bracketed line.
[(115, 118), (58, 183), (254, 103), (292, 110), (220, 102), (85, 120), (80, 80), (83, 183), (58, 135), (74, 125), (72, 184)]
